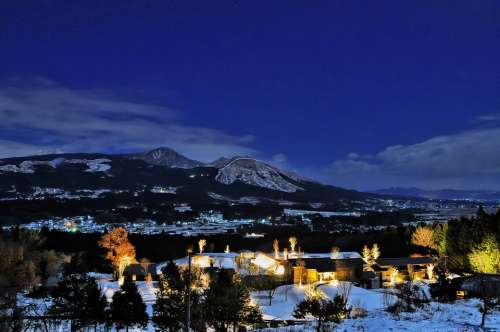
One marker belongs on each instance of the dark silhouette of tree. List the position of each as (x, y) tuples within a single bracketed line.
[(489, 301), (49, 264), (17, 273), (443, 290), (323, 310), (227, 304), (128, 308), (169, 310), (94, 306), (78, 299), (267, 283)]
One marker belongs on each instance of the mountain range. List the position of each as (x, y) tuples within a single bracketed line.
[(442, 194), (240, 178)]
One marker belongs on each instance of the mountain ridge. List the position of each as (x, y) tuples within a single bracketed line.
[(235, 178), (444, 194)]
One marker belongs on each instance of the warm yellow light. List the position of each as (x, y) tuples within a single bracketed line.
[(201, 261), (280, 270), (394, 275), (430, 271), (263, 261)]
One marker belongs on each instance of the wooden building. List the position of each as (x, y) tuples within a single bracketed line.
[(141, 271)]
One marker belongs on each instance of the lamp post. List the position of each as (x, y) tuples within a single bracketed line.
[(188, 309)]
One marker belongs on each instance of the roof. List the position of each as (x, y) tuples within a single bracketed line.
[(482, 282), (403, 261), (328, 264), (341, 255), (218, 254), (141, 269)]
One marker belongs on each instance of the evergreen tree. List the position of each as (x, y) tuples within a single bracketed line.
[(94, 308), (77, 299), (169, 310), (127, 308), (325, 311), (227, 304)]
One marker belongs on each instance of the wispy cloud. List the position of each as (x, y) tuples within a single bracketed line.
[(469, 159), (40, 116)]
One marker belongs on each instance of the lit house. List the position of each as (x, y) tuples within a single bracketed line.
[(309, 268), (407, 267), (141, 271)]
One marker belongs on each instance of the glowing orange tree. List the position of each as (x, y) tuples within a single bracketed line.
[(121, 252), (423, 236)]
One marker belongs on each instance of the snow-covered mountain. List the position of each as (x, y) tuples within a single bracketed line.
[(256, 173), (234, 179), (166, 157)]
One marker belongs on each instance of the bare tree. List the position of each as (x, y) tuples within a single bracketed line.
[(345, 288), (375, 252), (293, 242), (276, 247), (335, 253), (201, 245), (423, 236), (489, 301), (121, 252), (367, 254)]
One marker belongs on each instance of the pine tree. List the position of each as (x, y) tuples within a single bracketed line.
[(127, 308), (227, 304), (325, 311), (79, 300), (169, 310), (94, 309)]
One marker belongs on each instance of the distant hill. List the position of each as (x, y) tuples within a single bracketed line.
[(232, 179), (444, 194)]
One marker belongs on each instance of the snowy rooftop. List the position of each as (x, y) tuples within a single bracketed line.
[(341, 255)]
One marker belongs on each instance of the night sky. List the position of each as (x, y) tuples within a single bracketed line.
[(360, 94)]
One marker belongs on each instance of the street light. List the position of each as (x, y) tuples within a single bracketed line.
[(188, 286)]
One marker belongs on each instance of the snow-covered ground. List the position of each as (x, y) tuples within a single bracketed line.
[(288, 296), (461, 316)]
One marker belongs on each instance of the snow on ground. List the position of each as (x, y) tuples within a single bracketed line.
[(463, 315), (288, 296)]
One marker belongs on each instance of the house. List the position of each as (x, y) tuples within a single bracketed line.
[(478, 284), (141, 271), (407, 267), (320, 267)]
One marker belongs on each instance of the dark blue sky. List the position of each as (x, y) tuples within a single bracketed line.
[(363, 94)]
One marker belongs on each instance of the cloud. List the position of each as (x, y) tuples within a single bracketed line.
[(489, 118), (279, 158), (468, 159), (41, 115)]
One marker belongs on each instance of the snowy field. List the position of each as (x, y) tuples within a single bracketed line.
[(461, 316)]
